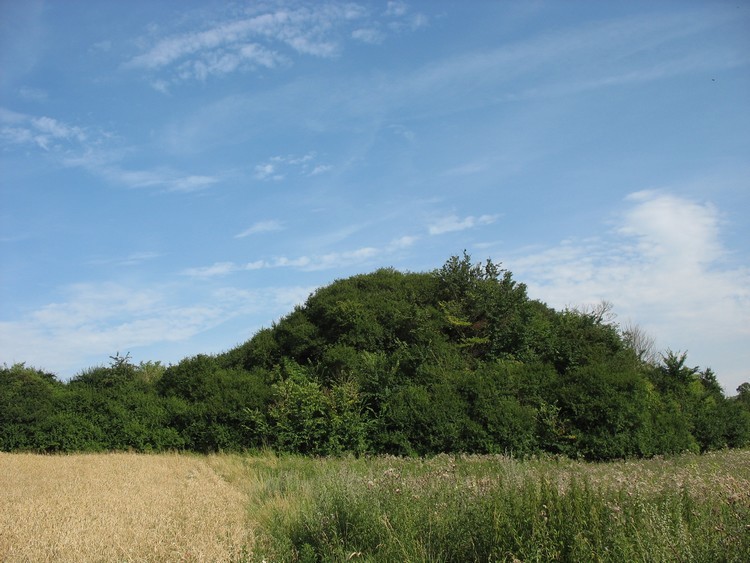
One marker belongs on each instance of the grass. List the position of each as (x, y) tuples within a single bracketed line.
[(447, 508), (495, 508)]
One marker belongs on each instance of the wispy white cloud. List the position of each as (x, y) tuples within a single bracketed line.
[(261, 227), (228, 34), (402, 131), (368, 35), (302, 262), (267, 171), (343, 259), (160, 86), (663, 267), (251, 56), (572, 60), (32, 94), (102, 46), (314, 262), (403, 242), (164, 179), (132, 259), (320, 169), (215, 269), (266, 37), (94, 320), (45, 132), (468, 169), (16, 237), (298, 29), (453, 223), (190, 183), (75, 146), (401, 17), (277, 167), (558, 64), (395, 8), (8, 116), (138, 257), (107, 165), (97, 320)]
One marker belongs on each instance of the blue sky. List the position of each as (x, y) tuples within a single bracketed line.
[(176, 175)]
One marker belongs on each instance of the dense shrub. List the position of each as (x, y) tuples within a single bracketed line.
[(454, 360)]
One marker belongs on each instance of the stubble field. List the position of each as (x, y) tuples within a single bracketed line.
[(129, 507)]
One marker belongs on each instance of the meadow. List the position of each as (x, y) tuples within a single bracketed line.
[(255, 507)]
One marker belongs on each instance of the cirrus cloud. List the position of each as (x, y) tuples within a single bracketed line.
[(267, 37), (452, 223), (92, 321)]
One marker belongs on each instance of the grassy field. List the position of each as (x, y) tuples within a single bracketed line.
[(126, 507)]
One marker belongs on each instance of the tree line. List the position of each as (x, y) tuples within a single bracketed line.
[(458, 359)]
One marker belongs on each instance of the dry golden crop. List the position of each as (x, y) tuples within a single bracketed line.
[(118, 507)]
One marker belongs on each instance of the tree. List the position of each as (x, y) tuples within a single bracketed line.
[(641, 343), (743, 395), (673, 376), (208, 403), (27, 400), (306, 418)]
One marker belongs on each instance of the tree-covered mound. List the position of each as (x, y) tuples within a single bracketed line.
[(454, 360)]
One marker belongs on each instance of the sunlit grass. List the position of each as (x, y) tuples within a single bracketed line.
[(495, 508)]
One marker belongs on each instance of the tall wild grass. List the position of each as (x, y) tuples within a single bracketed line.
[(494, 508)]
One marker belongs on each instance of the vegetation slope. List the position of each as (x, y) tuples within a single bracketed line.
[(454, 360)]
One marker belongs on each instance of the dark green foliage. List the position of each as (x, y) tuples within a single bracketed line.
[(27, 401), (607, 406), (743, 396), (483, 307), (119, 407), (501, 403), (582, 338), (208, 403), (457, 359), (262, 351)]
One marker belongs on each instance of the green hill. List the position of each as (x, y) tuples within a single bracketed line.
[(457, 359)]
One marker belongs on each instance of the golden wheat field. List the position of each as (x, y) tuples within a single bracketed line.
[(118, 507)]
